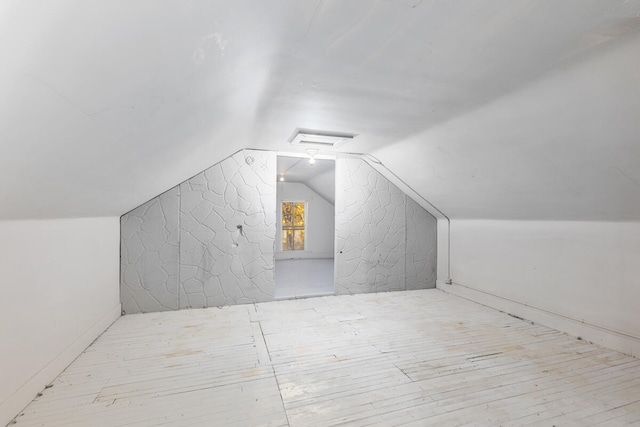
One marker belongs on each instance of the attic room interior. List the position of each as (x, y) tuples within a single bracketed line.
[(320, 212)]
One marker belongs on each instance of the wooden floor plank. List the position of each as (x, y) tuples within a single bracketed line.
[(404, 358)]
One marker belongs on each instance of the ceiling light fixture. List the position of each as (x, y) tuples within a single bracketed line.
[(312, 153), (281, 178)]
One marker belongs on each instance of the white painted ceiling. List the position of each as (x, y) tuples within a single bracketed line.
[(319, 177), (489, 109)]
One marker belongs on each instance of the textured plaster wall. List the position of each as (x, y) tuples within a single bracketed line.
[(149, 255), (210, 240), (207, 242), (421, 249), (384, 240), (227, 232)]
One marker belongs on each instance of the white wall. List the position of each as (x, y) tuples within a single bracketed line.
[(324, 184), (320, 231), (59, 292), (579, 277)]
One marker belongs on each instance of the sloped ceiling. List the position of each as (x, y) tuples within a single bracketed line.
[(565, 147), (319, 177), (106, 104)]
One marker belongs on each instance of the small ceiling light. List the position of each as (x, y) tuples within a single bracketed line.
[(312, 152), (281, 178)]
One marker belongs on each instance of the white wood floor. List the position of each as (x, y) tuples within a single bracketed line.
[(420, 358)]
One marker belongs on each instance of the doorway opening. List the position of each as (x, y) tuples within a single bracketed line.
[(305, 232)]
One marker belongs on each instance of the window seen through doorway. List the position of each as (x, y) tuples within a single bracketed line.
[(293, 226)]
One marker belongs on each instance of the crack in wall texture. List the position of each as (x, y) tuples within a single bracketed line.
[(385, 241), (206, 242)]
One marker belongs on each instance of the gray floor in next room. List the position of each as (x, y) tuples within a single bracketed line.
[(304, 277)]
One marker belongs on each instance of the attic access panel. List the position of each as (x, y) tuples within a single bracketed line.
[(319, 139)]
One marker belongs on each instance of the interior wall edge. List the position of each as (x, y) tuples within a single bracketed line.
[(442, 248), (12, 407), (615, 340)]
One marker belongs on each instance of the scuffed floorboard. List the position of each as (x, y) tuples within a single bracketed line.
[(415, 358)]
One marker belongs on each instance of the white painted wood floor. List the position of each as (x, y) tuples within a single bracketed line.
[(420, 358)]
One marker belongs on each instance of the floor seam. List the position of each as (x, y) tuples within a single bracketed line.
[(275, 375)]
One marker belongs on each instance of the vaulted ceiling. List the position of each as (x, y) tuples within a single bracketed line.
[(498, 109)]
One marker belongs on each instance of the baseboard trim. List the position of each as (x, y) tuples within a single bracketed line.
[(597, 334), (12, 407)]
